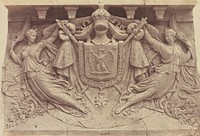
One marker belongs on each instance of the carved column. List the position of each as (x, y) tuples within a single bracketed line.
[(159, 11), (130, 12), (42, 12), (71, 11)]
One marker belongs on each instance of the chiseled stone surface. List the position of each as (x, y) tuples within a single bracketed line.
[(99, 70)]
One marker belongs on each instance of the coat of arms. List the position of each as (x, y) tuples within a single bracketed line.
[(99, 65)]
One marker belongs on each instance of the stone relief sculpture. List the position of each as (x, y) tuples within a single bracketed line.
[(98, 72), (39, 76), (168, 71)]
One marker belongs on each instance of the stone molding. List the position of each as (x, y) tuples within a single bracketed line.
[(71, 11), (42, 12), (159, 11), (162, 13), (130, 12), (94, 2)]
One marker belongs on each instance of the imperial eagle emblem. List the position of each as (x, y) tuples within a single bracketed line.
[(99, 62)]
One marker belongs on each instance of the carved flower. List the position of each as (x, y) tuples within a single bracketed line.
[(185, 110), (22, 109), (100, 100)]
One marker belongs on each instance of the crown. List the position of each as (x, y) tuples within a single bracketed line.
[(100, 15)]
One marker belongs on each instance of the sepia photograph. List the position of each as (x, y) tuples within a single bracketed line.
[(100, 68)]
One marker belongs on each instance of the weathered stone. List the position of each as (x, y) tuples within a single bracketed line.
[(102, 73)]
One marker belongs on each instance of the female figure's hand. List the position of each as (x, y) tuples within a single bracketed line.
[(139, 35), (45, 63), (13, 44)]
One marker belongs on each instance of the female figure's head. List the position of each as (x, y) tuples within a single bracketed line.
[(170, 35), (31, 35)]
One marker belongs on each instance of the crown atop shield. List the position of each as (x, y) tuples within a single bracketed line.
[(101, 14)]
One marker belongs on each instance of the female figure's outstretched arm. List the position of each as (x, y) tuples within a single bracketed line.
[(68, 33), (62, 25), (53, 36), (158, 46)]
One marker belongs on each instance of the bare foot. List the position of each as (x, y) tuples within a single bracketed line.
[(127, 97), (83, 109)]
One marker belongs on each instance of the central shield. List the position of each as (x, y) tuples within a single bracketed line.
[(99, 66), (101, 62)]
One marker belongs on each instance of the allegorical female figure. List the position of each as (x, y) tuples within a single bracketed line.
[(164, 80), (40, 76)]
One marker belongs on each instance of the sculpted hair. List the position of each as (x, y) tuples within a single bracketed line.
[(170, 31), (30, 31)]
